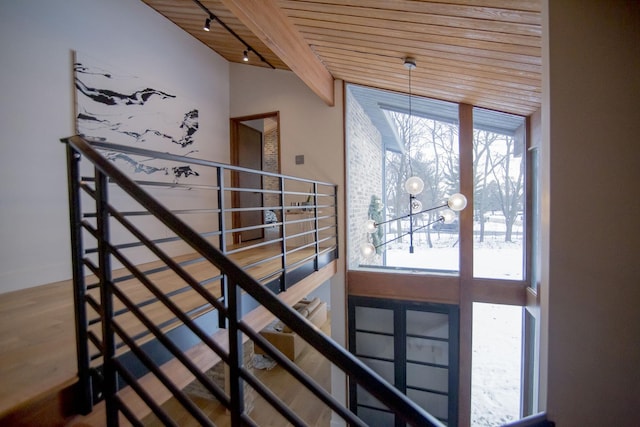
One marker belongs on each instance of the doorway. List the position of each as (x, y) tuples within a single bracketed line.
[(255, 144)]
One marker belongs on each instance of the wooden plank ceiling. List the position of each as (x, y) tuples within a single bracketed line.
[(481, 52)]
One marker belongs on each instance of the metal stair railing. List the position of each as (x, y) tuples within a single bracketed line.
[(224, 293)]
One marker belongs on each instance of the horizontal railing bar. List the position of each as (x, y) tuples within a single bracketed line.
[(272, 399), (211, 279), (173, 349), (268, 277), (260, 262), (299, 374), (90, 228), (327, 227), (161, 184), (405, 409), (299, 221), (306, 193), (94, 304), (130, 416), (176, 185), (301, 234), (167, 323), (147, 213), (254, 208), (184, 159), (297, 264), (323, 217), (143, 394), (248, 247), (91, 287), (326, 250), (156, 241), (94, 268), (176, 267), (187, 403), (325, 239), (251, 227), (253, 190), (155, 270), (150, 301), (96, 341), (173, 307)]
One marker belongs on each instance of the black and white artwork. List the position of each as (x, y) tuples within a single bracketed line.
[(117, 107)]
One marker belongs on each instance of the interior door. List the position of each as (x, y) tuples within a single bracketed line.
[(250, 156)]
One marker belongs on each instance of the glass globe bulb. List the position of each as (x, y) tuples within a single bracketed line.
[(414, 185), (416, 206), (367, 250), (448, 216), (370, 226), (457, 202)]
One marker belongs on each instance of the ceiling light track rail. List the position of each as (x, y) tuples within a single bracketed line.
[(212, 17)]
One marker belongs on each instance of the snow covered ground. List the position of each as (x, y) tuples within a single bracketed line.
[(496, 363), (497, 329)]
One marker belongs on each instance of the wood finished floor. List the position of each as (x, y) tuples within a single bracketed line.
[(37, 332)]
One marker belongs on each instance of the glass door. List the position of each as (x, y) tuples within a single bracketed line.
[(414, 346)]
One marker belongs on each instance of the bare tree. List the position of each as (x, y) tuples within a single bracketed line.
[(509, 174)]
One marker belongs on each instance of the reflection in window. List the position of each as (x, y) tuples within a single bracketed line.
[(499, 194)]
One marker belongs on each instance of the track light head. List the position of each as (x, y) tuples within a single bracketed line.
[(245, 56), (207, 24)]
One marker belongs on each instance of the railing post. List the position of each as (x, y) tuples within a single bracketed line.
[(222, 225), (316, 223), (337, 216), (283, 281), (106, 297), (85, 393), (236, 391)]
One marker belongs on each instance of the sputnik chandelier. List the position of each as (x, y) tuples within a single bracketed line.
[(414, 186)]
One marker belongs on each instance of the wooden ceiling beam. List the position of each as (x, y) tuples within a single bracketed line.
[(269, 23)]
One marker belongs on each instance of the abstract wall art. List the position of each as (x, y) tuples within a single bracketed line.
[(121, 108)]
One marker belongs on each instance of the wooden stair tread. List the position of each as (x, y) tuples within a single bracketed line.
[(201, 355)]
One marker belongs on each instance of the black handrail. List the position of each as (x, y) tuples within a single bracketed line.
[(236, 280)]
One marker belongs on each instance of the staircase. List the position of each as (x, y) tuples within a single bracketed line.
[(164, 291)]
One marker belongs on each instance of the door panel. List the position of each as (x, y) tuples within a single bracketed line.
[(250, 156), (414, 346)]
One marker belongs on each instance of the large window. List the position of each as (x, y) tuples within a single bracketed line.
[(498, 202), (477, 261), (389, 143), (390, 139)]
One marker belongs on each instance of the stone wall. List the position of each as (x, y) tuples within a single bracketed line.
[(271, 161), (364, 172)]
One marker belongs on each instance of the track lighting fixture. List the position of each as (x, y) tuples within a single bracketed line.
[(207, 27)]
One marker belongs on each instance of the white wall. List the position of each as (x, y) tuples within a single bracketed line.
[(308, 127), (591, 151), (36, 109)]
